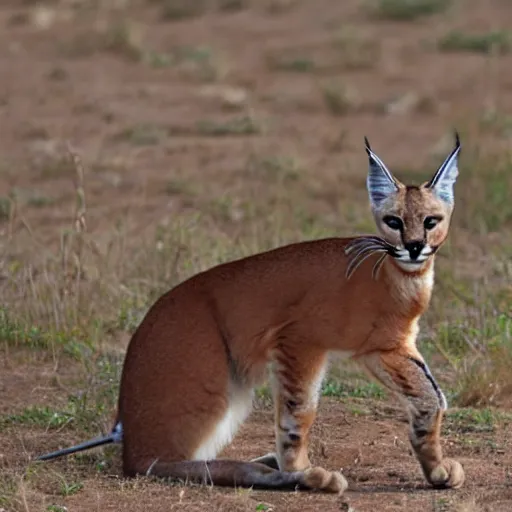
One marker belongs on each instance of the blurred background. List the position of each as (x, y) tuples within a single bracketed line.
[(144, 140)]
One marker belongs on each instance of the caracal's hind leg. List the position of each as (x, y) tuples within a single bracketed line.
[(178, 411), (297, 377), (234, 473), (406, 373)]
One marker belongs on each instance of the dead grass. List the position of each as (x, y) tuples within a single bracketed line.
[(340, 99), (70, 299), (357, 49), (203, 62), (121, 37)]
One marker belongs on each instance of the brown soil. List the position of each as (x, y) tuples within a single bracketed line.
[(136, 126), (366, 439)]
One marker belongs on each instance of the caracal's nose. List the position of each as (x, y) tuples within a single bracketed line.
[(414, 248)]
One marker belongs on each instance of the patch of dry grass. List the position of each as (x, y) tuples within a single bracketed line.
[(74, 297)]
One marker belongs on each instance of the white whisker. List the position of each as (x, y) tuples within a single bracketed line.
[(356, 262), (361, 248), (378, 265), (366, 247)]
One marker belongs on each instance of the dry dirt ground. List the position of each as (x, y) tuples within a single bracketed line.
[(234, 126), (365, 438)]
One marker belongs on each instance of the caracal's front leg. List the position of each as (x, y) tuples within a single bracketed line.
[(298, 373), (405, 372)]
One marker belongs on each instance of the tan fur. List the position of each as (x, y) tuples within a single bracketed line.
[(191, 365), (413, 204)]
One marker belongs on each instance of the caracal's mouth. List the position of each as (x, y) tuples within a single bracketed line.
[(404, 260)]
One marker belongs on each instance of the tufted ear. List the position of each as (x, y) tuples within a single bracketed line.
[(444, 179), (380, 183)]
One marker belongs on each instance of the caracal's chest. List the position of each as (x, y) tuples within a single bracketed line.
[(411, 292)]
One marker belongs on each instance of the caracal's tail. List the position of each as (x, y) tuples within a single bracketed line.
[(115, 436)]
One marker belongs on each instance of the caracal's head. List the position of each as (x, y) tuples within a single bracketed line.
[(413, 219)]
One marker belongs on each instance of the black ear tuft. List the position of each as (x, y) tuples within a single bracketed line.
[(367, 144), (457, 139)]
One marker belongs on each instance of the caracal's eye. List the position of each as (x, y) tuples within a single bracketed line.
[(393, 222), (431, 222)]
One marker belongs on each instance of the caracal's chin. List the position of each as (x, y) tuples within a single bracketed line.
[(411, 265)]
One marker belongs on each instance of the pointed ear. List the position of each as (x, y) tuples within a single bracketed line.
[(444, 179), (380, 183)]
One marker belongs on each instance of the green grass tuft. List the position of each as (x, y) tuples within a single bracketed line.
[(70, 488), (45, 417), (497, 41), (466, 420), (5, 208), (284, 61), (16, 333), (408, 10), (245, 125), (340, 389), (56, 508)]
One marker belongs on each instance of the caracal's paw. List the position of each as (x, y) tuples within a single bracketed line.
[(448, 475), (323, 480)]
